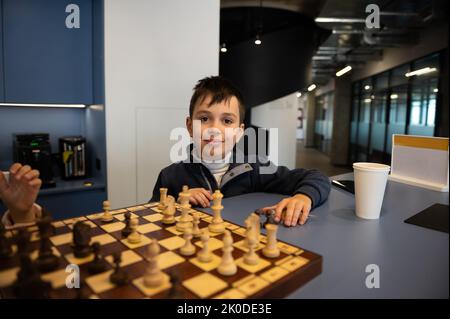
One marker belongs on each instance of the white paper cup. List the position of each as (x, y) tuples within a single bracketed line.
[(370, 184)]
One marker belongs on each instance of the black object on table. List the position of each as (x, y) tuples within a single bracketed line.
[(346, 185), (434, 217)]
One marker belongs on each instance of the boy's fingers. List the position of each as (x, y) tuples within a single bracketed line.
[(3, 183), (279, 209), (22, 171), (193, 200), (305, 215), (35, 182), (200, 199), (297, 213), (289, 213), (265, 209), (206, 193), (15, 167), (32, 174)]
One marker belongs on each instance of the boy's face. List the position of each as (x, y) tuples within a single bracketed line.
[(219, 125)]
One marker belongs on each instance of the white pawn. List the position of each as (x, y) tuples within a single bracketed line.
[(251, 258), (227, 266), (188, 249), (196, 230), (169, 211), (271, 250), (107, 216), (153, 277), (134, 237), (204, 255)]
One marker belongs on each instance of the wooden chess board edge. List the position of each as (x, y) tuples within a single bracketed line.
[(285, 286)]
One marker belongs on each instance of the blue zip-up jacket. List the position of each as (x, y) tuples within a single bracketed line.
[(242, 178)]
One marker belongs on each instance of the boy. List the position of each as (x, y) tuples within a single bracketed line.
[(218, 107)]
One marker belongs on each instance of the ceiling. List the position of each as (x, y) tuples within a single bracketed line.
[(351, 43), (347, 42)]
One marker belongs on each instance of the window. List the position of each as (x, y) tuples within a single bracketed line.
[(393, 103)]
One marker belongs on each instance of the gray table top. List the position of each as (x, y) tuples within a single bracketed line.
[(413, 261)]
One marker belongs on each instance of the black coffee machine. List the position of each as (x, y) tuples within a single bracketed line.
[(34, 149)]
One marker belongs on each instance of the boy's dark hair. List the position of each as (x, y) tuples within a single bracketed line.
[(220, 90)]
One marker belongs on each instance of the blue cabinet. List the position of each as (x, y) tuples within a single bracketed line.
[(44, 60)]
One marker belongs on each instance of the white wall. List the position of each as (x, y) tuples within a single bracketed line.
[(282, 114), (155, 52)]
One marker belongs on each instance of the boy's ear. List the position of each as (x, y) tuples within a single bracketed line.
[(240, 132), (189, 126)]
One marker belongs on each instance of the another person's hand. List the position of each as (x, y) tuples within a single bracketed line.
[(297, 210), (21, 192), (200, 197)]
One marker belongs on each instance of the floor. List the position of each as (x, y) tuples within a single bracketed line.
[(312, 158)]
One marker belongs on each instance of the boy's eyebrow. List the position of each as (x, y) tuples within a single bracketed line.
[(223, 114), (229, 114)]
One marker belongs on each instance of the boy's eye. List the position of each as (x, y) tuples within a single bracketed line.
[(204, 119), (228, 121)]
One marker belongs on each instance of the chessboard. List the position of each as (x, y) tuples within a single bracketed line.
[(185, 277)]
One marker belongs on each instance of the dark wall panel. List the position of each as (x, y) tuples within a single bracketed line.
[(279, 66)]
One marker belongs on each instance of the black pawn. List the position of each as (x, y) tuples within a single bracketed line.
[(5, 244), (81, 239), (98, 265), (47, 260), (270, 218), (82, 292), (127, 230), (29, 284), (22, 240), (174, 292), (118, 277)]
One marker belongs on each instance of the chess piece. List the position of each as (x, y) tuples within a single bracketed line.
[(47, 260), (162, 198), (153, 277), (22, 241), (29, 284), (5, 244), (175, 292), (251, 258), (107, 217), (82, 292), (185, 219), (188, 249), (169, 211), (256, 223), (217, 225), (196, 230), (270, 218), (204, 255), (227, 265), (119, 277), (81, 240), (127, 229), (248, 231), (98, 265), (271, 249), (134, 237)]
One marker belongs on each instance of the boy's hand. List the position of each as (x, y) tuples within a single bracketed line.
[(297, 210), (200, 197), (21, 192)]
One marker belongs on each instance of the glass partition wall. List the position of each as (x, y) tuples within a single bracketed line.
[(403, 100)]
